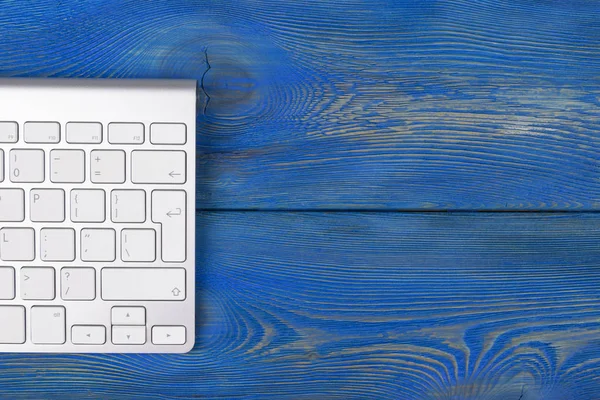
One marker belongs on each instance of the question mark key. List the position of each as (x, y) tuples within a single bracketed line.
[(78, 283)]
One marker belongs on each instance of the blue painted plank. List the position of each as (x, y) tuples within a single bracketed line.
[(367, 305), (381, 104)]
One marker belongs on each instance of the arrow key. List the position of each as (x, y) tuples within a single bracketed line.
[(168, 335), (129, 334), (88, 334), (128, 316)]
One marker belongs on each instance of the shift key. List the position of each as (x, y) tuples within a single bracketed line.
[(167, 284)]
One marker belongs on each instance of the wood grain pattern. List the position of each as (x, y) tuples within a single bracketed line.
[(367, 305), (381, 104), (406, 105)]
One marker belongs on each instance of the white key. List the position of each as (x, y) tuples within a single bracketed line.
[(138, 245), (9, 132), (47, 205), (129, 334), (126, 133), (37, 283), (128, 316), (168, 334), (17, 244), (84, 132), (107, 166), (27, 166), (1, 165), (88, 205), (48, 325), (78, 283), (12, 320), (169, 210), (128, 206), (7, 284), (41, 132), (168, 133), (97, 245), (88, 334), (12, 205), (57, 244), (143, 284), (67, 166), (150, 166)]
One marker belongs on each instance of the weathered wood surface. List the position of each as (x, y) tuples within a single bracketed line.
[(368, 305), (392, 104)]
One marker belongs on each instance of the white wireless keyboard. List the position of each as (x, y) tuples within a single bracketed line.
[(97, 215)]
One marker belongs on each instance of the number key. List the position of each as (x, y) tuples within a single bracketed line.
[(27, 166)]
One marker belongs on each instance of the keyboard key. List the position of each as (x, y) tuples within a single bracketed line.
[(67, 166), (167, 133), (7, 283), (12, 205), (9, 132), (98, 245), (41, 132), (88, 205), (88, 334), (138, 245), (13, 324), (168, 334), (143, 284), (17, 244), (107, 166), (128, 206), (84, 132), (1, 165), (37, 283), (126, 133), (128, 316), (27, 166), (78, 283), (48, 325), (47, 205), (169, 210), (153, 166), (57, 244), (129, 334)]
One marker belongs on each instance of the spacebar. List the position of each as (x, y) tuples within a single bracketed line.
[(143, 284)]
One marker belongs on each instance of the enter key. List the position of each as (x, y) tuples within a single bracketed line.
[(169, 210)]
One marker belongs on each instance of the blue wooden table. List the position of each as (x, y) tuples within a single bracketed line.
[(397, 199)]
